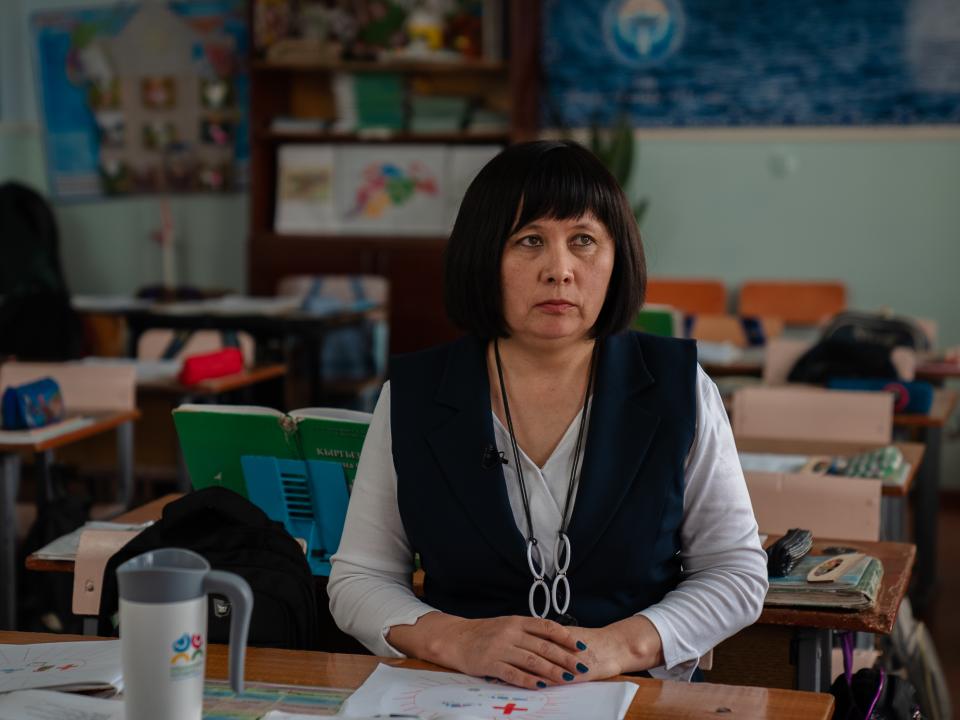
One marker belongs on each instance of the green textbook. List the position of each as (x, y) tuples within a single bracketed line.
[(213, 438)]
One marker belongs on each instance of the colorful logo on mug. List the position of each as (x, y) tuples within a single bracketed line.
[(187, 649)]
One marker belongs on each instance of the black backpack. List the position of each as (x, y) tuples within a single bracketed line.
[(885, 330), (837, 358), (236, 536), (896, 699), (37, 321)]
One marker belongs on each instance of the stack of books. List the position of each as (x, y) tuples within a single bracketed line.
[(437, 113), (855, 589)]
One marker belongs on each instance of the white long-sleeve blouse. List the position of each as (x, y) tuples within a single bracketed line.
[(724, 577)]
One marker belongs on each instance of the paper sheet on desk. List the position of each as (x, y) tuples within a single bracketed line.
[(64, 666), (65, 546), (49, 705), (426, 694)]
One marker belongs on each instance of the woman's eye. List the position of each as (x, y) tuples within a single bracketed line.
[(582, 240), (531, 241)]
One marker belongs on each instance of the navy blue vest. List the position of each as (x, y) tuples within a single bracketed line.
[(625, 525)]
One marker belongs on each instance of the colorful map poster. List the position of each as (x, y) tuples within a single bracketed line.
[(676, 63), (143, 98)]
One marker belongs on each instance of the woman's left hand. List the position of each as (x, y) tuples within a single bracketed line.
[(629, 645)]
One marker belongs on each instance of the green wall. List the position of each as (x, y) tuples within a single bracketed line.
[(881, 215)]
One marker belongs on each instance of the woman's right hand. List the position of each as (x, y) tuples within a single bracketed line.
[(523, 651)]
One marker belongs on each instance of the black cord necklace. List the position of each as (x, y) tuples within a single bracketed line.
[(562, 553)]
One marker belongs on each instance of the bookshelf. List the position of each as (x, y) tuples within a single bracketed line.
[(412, 264)]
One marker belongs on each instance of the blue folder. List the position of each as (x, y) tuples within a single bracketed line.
[(308, 497)]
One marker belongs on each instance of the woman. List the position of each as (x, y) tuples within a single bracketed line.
[(573, 490)]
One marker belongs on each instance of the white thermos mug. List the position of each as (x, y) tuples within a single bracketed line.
[(163, 631)]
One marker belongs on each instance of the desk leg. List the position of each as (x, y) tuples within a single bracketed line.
[(893, 518), (9, 485), (813, 659), (925, 519), (125, 462)]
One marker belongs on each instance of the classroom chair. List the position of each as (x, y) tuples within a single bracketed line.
[(738, 331), (689, 295), (829, 506), (795, 302), (86, 390), (807, 413)]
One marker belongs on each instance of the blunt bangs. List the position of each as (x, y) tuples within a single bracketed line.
[(557, 180)]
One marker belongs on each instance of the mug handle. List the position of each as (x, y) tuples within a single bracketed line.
[(240, 595)]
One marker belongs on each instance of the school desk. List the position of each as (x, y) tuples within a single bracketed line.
[(334, 639), (157, 393), (894, 502), (268, 329), (654, 699), (928, 429), (42, 450), (791, 647)]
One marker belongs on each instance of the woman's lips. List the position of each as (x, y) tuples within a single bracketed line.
[(555, 307)]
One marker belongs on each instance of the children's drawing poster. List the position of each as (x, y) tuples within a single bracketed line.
[(143, 97), (398, 189), (741, 63), (305, 189)]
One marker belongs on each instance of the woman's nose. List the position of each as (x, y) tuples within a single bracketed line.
[(558, 267)]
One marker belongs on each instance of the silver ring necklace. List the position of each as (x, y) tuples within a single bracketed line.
[(556, 595)]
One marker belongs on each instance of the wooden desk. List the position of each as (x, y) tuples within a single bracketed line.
[(928, 429), (654, 699), (311, 328), (216, 386), (42, 450), (938, 371), (150, 511), (790, 647)]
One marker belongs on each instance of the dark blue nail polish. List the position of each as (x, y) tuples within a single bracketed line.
[(568, 676), (581, 668), (581, 646), (541, 684)]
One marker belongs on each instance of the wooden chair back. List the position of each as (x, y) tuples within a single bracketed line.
[(689, 295), (795, 302)]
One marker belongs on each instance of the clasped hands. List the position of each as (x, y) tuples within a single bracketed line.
[(531, 652)]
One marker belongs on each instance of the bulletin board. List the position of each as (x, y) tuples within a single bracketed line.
[(689, 63), (143, 97)]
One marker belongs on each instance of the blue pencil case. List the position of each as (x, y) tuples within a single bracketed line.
[(32, 405)]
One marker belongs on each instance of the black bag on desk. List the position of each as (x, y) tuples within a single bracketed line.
[(881, 329), (236, 536), (834, 358)]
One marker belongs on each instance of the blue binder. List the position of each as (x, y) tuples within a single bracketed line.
[(308, 497)]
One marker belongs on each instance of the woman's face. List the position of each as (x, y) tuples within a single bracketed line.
[(554, 275)]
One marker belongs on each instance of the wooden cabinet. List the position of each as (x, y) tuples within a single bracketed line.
[(413, 265)]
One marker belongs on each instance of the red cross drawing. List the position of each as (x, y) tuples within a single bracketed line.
[(67, 667), (509, 708)]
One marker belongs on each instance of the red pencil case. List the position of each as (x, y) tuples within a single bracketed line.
[(210, 365)]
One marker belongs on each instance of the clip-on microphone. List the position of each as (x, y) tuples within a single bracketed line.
[(490, 456)]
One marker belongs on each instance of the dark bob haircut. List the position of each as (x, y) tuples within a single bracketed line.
[(542, 179)]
